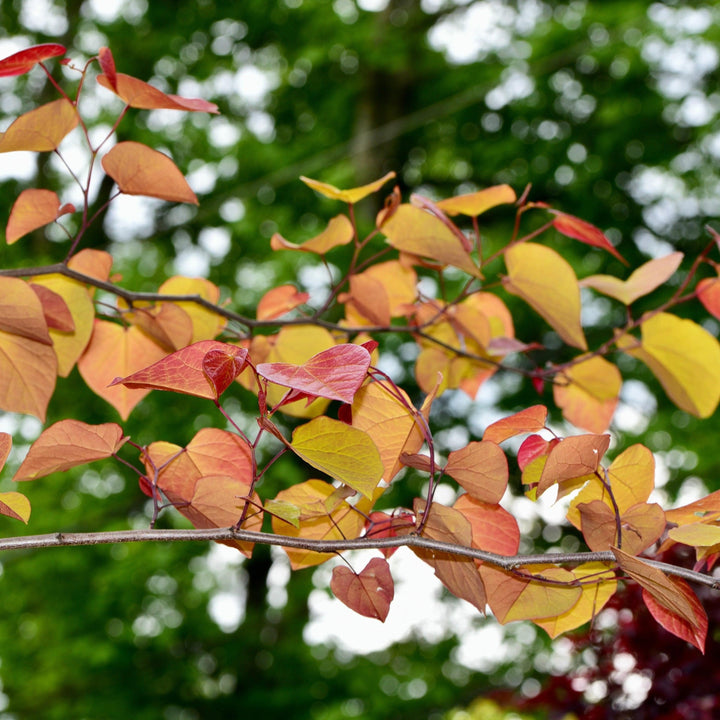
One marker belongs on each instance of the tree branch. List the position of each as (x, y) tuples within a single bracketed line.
[(511, 562)]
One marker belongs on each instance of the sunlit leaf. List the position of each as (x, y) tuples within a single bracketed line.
[(206, 324), (697, 535), (529, 420), (138, 94), (684, 357), (279, 301), (67, 444), (41, 129), (344, 453), (573, 457), (139, 170), (32, 210), (493, 528), (368, 592), (546, 282), (339, 231), (481, 468), (20, 62), (15, 505), (642, 281), (477, 203), (349, 196)]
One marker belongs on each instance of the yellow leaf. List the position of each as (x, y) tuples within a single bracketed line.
[(416, 231), (592, 600), (349, 196), (15, 505), (642, 281), (587, 393), (345, 453), (207, 324), (474, 204), (684, 357), (338, 232), (548, 284), (697, 535)]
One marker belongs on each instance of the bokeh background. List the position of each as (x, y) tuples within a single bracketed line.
[(609, 109)]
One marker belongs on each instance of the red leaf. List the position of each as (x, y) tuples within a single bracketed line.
[(533, 447), (21, 62), (223, 366), (578, 229), (182, 371), (107, 63), (336, 373), (694, 634), (368, 593)]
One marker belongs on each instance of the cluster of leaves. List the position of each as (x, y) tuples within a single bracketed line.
[(297, 362)]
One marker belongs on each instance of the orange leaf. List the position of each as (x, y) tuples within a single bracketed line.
[(474, 204), (571, 458), (140, 170), (206, 323), (20, 62), (695, 633), (546, 282), (139, 94), (529, 598), (42, 129), (183, 371), (530, 420), (493, 528), (339, 231), (481, 468), (344, 453), (67, 444), (166, 323), (642, 281), (21, 312), (96, 263), (368, 592), (589, 398), (15, 505), (115, 351), (5, 447), (32, 210), (583, 231), (458, 574), (279, 301), (417, 231), (316, 521), (349, 196), (659, 585)]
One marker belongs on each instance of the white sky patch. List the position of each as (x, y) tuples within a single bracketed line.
[(43, 16)]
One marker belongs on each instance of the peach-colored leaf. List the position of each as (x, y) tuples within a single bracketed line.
[(107, 63), (659, 585), (458, 574), (67, 444), (139, 170), (206, 323), (583, 231), (32, 209), (96, 263), (368, 592), (69, 344), (694, 633), (344, 453), (529, 420), (279, 301), (642, 281), (28, 370), (706, 508), (352, 195), (573, 457), (183, 371), (599, 586), (15, 505), (21, 312), (708, 291), (41, 129), (476, 203), (20, 62), (684, 357), (336, 373), (339, 231), (587, 393), (416, 231), (5, 447), (529, 598), (57, 313), (546, 282), (481, 468), (316, 521), (493, 528), (139, 94), (167, 323), (116, 351)]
